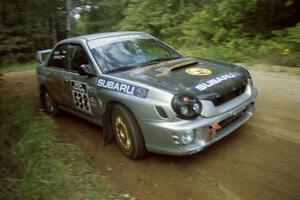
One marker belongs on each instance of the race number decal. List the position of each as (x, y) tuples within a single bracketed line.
[(80, 96)]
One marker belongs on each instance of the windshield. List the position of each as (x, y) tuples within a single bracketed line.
[(130, 53)]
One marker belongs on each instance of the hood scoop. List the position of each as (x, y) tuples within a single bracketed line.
[(166, 70), (172, 76)]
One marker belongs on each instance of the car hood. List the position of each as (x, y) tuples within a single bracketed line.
[(188, 75)]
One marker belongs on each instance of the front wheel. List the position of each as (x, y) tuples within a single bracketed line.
[(127, 133)]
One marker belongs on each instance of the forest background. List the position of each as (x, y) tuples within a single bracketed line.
[(232, 30)]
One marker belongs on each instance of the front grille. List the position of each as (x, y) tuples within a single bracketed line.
[(231, 119), (223, 98)]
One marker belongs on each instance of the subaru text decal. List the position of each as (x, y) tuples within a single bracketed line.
[(214, 81), (123, 88)]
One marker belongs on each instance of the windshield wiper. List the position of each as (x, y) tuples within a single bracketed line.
[(157, 60), (120, 69)]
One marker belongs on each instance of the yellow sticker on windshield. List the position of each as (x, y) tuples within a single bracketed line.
[(198, 71)]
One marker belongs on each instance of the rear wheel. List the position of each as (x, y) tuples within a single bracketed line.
[(49, 103), (127, 133)]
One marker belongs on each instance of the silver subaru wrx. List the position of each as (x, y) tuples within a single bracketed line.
[(145, 94)]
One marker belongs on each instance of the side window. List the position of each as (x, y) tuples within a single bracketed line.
[(77, 57), (58, 58)]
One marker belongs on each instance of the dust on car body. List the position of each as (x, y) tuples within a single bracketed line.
[(144, 93)]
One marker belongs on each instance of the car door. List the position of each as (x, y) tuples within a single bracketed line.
[(54, 73), (80, 90)]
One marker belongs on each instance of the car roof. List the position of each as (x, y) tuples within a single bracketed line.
[(101, 35)]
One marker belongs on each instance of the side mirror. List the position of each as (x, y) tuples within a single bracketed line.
[(84, 70), (42, 55)]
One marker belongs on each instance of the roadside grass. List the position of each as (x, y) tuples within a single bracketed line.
[(35, 165), (18, 67)]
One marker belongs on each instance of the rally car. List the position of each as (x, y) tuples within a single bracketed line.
[(145, 94)]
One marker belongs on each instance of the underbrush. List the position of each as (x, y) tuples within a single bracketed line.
[(34, 164), (5, 68), (279, 47), (242, 50)]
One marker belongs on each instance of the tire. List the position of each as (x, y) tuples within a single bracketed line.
[(49, 103), (127, 133)]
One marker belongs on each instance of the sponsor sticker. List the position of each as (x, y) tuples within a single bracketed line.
[(198, 71), (214, 81), (122, 87)]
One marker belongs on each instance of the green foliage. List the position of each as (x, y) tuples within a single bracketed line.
[(34, 165), (233, 30), (27, 26), (160, 18), (100, 16), (18, 67), (283, 48), (292, 38), (225, 29)]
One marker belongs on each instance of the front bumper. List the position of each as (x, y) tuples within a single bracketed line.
[(158, 134)]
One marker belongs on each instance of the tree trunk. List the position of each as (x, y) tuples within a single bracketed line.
[(69, 18), (53, 28), (2, 21)]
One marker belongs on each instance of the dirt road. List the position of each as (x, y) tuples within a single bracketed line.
[(261, 160)]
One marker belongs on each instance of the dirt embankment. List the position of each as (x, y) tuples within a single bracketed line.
[(261, 160)]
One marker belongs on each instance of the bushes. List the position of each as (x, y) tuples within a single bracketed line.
[(233, 30), (18, 67), (280, 47), (229, 29), (34, 165)]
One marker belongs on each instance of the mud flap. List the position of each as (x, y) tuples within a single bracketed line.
[(107, 129)]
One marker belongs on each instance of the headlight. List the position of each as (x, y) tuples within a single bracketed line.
[(186, 107)]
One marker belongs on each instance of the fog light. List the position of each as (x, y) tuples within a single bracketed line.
[(187, 137)]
